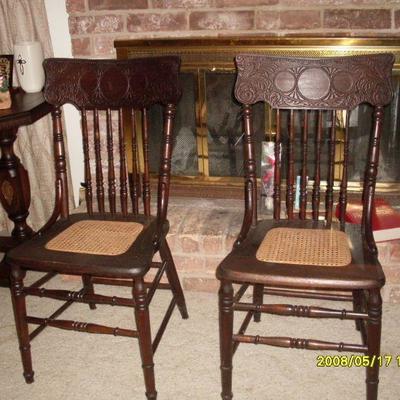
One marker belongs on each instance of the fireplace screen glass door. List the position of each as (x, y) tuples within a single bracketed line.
[(185, 158), (208, 132)]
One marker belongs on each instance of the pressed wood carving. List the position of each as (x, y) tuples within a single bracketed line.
[(134, 83), (334, 83)]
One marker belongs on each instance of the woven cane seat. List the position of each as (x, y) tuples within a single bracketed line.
[(107, 238), (322, 247)]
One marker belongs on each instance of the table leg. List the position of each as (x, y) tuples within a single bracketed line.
[(15, 194)]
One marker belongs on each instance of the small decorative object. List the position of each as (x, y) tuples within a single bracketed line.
[(6, 62), (297, 193), (29, 58), (267, 174)]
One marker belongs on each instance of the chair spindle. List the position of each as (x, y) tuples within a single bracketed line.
[(343, 184), (250, 168), (146, 172), (303, 187), (331, 170), (99, 167), (111, 173), (317, 174), (277, 171), (135, 176), (122, 174), (290, 173), (88, 174), (60, 162)]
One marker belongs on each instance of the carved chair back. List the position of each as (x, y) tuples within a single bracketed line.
[(108, 93), (308, 95)]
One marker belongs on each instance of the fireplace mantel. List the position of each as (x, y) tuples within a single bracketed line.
[(204, 58)]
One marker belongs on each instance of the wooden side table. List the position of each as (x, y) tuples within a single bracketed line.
[(15, 194)]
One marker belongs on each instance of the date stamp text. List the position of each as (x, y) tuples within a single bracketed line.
[(357, 361)]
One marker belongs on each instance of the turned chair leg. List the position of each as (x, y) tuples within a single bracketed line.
[(89, 289), (19, 305), (258, 297), (226, 333), (357, 306), (143, 326), (374, 342), (173, 278)]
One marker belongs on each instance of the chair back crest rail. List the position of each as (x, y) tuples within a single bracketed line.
[(308, 94), (108, 94)]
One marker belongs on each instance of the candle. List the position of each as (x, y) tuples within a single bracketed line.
[(28, 58)]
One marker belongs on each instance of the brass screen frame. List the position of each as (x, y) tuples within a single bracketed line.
[(202, 55)]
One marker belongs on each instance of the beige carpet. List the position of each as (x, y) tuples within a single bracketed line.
[(70, 365)]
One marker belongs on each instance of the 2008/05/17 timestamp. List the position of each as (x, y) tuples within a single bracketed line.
[(357, 361)]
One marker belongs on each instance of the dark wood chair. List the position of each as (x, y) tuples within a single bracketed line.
[(307, 255), (113, 243)]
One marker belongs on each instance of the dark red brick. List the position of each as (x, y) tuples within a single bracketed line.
[(117, 4), (300, 19), (74, 6), (81, 47), (288, 20), (299, 3), (245, 3), (357, 19), (182, 3), (397, 19)]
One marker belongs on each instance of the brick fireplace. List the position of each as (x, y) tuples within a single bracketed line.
[(95, 24), (203, 230)]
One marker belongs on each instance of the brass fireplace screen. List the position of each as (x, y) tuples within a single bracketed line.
[(208, 150)]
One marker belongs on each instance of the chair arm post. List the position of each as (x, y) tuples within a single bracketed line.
[(250, 193), (370, 179), (60, 164), (165, 169)]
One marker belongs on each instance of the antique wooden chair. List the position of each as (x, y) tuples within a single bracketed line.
[(115, 243), (290, 255)]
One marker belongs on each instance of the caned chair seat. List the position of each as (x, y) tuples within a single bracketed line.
[(320, 247), (105, 238), (63, 246), (243, 264)]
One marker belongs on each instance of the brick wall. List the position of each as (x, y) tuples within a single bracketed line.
[(94, 24)]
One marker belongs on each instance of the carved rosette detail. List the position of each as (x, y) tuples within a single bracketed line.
[(332, 82), (247, 92)]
